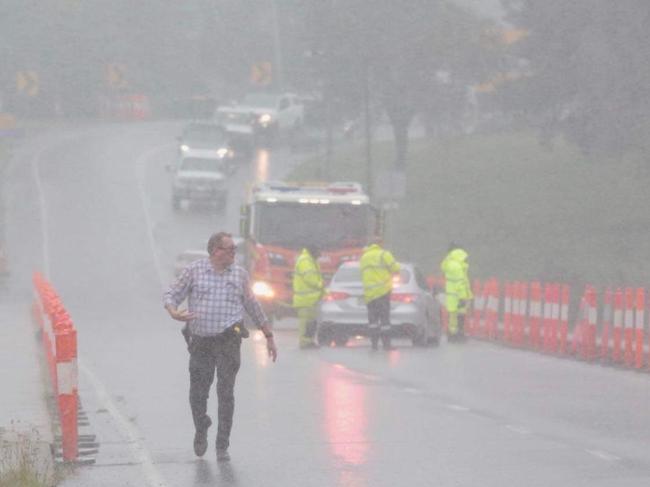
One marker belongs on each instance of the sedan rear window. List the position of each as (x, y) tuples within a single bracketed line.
[(353, 275)]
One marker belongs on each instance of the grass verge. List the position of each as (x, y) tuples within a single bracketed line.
[(523, 211), (25, 461)]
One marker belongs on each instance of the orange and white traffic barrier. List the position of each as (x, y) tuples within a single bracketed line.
[(492, 310), (577, 337), (535, 314), (589, 336), (477, 309), (555, 315), (59, 339), (516, 312), (564, 320), (607, 325), (639, 321), (617, 355), (507, 312), (522, 310), (546, 323), (66, 372), (628, 323), (516, 303)]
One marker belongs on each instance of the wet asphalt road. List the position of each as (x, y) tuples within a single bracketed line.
[(90, 207)]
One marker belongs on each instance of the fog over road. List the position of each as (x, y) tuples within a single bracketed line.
[(90, 206)]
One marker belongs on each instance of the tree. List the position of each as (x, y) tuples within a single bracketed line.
[(396, 48), (590, 70)]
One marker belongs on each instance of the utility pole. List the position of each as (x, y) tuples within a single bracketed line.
[(278, 71), (368, 131)]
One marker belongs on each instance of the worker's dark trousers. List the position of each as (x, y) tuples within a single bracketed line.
[(379, 320), (207, 354)]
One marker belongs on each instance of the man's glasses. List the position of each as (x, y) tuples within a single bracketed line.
[(230, 248)]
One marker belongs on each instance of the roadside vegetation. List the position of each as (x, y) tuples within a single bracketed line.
[(523, 210), (19, 454)]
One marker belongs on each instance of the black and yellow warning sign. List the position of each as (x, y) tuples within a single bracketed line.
[(27, 82)]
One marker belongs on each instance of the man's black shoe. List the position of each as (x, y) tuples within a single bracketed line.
[(201, 438), (223, 455)]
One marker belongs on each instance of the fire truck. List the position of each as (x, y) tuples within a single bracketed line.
[(281, 218)]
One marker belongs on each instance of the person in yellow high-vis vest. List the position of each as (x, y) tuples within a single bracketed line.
[(458, 291), (308, 290), (377, 269)]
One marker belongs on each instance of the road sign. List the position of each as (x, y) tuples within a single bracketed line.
[(27, 82), (115, 75), (261, 73)]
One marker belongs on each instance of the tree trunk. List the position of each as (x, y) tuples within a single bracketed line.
[(400, 120)]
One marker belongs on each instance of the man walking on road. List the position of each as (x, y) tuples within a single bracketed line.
[(377, 269), (217, 293), (307, 292), (458, 291)]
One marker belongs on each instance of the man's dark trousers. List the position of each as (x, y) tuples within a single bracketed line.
[(207, 354), (379, 320)]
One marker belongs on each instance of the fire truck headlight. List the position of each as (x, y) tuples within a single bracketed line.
[(263, 290)]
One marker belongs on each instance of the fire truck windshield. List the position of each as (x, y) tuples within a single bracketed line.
[(294, 225)]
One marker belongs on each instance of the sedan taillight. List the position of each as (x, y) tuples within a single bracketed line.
[(336, 296), (403, 297)]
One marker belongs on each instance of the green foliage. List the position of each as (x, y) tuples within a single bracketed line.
[(395, 50), (590, 70), (521, 210), (19, 454), (23, 477)]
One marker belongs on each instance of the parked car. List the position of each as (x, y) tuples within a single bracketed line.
[(414, 312), (199, 177), (209, 139)]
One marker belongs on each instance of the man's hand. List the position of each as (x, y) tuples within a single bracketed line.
[(180, 315), (271, 348)]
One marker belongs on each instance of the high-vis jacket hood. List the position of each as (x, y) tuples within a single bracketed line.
[(307, 281), (377, 269)]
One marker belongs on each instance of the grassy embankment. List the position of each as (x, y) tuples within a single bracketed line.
[(522, 211)]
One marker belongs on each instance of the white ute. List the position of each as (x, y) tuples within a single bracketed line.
[(262, 114)]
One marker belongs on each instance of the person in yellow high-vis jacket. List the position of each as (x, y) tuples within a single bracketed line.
[(377, 269), (308, 289), (458, 291)]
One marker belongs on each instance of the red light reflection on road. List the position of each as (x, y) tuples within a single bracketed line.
[(346, 418)]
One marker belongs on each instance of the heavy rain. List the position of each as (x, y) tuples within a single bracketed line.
[(435, 214)]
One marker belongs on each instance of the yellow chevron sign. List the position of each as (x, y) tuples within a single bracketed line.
[(261, 73), (115, 75), (27, 82)]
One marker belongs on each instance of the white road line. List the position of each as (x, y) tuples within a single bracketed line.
[(457, 407), (140, 176), (603, 455), (130, 432), (518, 429)]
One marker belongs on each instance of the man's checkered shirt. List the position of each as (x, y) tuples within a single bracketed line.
[(217, 299)]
